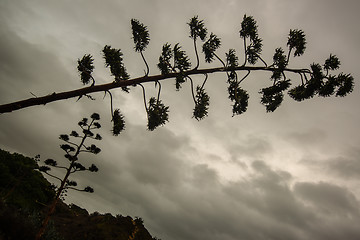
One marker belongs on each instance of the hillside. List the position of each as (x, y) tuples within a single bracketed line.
[(24, 194)]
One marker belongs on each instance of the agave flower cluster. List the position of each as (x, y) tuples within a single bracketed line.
[(201, 104), (85, 68), (157, 113), (118, 122), (249, 30), (113, 59)]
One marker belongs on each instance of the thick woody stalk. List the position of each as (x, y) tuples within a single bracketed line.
[(10, 107)]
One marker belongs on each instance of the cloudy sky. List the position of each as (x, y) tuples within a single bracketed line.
[(291, 174)]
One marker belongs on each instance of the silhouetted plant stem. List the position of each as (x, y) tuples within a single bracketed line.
[(288, 56), (147, 66), (245, 60), (107, 86), (192, 88), (302, 79), (197, 55), (111, 103), (206, 77), (51, 175), (144, 98), (222, 62), (158, 96), (245, 76), (262, 60)]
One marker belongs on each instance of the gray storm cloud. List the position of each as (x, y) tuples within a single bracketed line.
[(291, 174)]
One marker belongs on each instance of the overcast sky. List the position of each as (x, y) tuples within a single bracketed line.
[(291, 174)]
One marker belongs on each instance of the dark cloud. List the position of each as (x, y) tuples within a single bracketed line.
[(267, 202), (25, 66), (204, 177), (345, 168), (345, 165), (170, 177), (336, 208), (334, 199), (27, 69), (158, 162), (262, 206), (253, 147), (307, 138)]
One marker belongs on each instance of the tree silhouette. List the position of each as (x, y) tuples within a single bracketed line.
[(72, 151), (174, 63)]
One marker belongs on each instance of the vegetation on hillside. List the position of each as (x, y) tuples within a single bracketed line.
[(24, 195)]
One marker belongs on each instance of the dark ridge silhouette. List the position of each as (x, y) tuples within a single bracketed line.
[(24, 195)]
